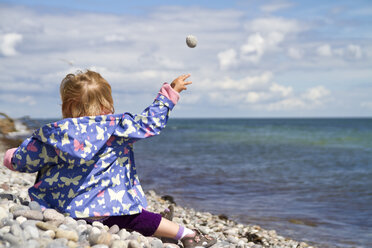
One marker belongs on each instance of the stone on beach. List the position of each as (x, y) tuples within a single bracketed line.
[(69, 235), (29, 214)]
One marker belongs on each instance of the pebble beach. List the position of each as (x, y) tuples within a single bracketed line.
[(24, 224)]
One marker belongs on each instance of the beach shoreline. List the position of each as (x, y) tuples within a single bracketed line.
[(14, 231)]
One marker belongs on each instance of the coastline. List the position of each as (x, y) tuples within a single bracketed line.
[(19, 228)]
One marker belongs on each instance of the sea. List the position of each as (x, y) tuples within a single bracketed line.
[(308, 179)]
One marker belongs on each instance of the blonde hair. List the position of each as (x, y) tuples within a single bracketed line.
[(85, 94)]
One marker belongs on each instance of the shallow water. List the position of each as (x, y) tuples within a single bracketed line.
[(309, 179)]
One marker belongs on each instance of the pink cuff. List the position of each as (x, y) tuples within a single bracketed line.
[(169, 93), (8, 158)]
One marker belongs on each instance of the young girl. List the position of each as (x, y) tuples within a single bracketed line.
[(85, 162)]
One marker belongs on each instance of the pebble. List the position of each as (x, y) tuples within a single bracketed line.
[(134, 244), (53, 215), (121, 244), (49, 234), (21, 219), (33, 205), (29, 214), (170, 245), (13, 240), (31, 232), (100, 246), (97, 224), (156, 243), (69, 235), (46, 226), (124, 234), (24, 224), (114, 229)]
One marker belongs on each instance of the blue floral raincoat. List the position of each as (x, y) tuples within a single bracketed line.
[(86, 164)]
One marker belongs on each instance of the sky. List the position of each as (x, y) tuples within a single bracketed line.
[(254, 58)]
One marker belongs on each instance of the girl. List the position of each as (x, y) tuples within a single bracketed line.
[(85, 162)]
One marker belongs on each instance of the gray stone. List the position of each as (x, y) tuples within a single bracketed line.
[(115, 237), (124, 234), (114, 229), (46, 226), (5, 229), (33, 205), (21, 219), (81, 222), (13, 240), (120, 244), (257, 246), (97, 224), (93, 235), (6, 222), (32, 244), (28, 223), (135, 244), (53, 215), (16, 230), (64, 227), (29, 214), (233, 239), (18, 207), (67, 234), (155, 243), (100, 246), (104, 238), (31, 232), (170, 245), (71, 222), (203, 230), (3, 213), (134, 236), (49, 234), (58, 243)]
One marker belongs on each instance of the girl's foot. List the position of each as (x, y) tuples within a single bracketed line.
[(198, 240)]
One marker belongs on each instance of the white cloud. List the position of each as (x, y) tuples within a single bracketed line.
[(311, 99), (8, 42), (254, 48), (295, 53), (16, 98), (260, 92), (274, 24), (325, 50), (351, 51), (275, 6), (316, 94), (247, 83), (268, 35), (354, 51), (227, 58)]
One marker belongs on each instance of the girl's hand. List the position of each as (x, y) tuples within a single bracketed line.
[(179, 84)]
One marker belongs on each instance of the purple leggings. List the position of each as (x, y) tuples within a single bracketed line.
[(146, 223)]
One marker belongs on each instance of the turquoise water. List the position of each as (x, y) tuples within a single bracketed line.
[(309, 179)]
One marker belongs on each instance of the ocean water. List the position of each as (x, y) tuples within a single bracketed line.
[(309, 179)]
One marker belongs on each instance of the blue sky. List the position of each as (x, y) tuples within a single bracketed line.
[(253, 59)]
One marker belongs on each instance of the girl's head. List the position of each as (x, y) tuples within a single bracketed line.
[(85, 94)]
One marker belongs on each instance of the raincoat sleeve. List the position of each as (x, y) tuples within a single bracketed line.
[(30, 156), (152, 120)]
